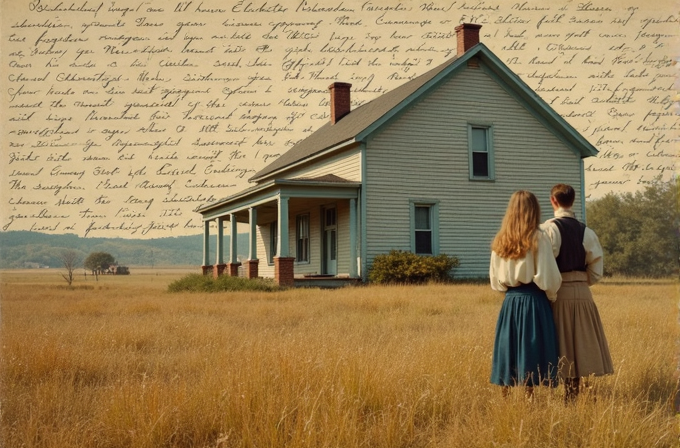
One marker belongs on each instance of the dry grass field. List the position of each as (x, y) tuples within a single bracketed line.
[(123, 363)]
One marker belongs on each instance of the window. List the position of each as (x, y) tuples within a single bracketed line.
[(273, 240), (424, 227), (481, 152), (302, 237)]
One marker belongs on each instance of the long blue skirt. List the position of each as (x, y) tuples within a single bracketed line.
[(525, 349)]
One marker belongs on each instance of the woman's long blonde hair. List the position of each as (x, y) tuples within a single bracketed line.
[(519, 230)]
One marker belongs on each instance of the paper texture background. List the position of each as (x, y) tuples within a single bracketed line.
[(121, 118)]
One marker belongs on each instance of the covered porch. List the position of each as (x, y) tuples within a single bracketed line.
[(300, 231)]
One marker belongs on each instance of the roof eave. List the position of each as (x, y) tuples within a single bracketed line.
[(234, 197), (322, 153)]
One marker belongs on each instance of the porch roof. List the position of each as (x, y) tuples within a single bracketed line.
[(328, 185)]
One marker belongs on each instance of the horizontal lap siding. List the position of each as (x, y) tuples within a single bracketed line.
[(347, 165), (314, 265), (424, 155), (314, 208), (264, 269)]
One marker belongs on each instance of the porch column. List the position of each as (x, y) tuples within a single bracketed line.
[(284, 266), (252, 239), (206, 268), (353, 238), (233, 249), (219, 250)]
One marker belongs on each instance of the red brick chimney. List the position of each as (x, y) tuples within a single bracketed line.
[(340, 100), (467, 35)]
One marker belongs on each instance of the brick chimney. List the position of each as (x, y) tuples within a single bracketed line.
[(467, 35), (340, 100)]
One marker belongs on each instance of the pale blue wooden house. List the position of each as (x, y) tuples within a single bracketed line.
[(427, 167)]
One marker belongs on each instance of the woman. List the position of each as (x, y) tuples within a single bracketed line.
[(522, 265)]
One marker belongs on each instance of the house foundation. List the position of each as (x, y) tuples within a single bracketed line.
[(284, 271), (218, 270), (252, 268), (232, 268)]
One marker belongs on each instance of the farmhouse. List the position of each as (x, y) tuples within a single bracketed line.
[(427, 167)]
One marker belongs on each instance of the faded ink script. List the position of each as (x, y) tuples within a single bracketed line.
[(121, 118)]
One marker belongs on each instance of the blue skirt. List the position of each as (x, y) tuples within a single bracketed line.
[(525, 349)]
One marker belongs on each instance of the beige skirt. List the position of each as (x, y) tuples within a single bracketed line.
[(583, 348)]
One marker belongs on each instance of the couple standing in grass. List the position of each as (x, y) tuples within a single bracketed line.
[(548, 328)]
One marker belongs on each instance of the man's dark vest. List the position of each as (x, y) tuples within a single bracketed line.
[(572, 255)]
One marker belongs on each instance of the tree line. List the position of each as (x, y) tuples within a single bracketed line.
[(639, 232)]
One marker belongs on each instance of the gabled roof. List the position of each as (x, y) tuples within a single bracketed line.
[(362, 121)]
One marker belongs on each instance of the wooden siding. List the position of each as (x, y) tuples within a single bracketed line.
[(423, 155), (314, 207), (346, 164), (264, 269)]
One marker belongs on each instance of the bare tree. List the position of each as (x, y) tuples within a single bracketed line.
[(70, 259)]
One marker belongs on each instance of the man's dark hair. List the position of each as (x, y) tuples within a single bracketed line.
[(564, 195)]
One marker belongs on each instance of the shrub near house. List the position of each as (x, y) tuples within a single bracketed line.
[(406, 267)]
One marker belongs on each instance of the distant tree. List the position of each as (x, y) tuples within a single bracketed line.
[(70, 259), (639, 231), (99, 261)]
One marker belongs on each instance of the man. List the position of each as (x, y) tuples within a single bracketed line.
[(583, 348)]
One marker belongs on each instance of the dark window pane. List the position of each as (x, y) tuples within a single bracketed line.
[(423, 242), (333, 254), (330, 217), (273, 240), (480, 164)]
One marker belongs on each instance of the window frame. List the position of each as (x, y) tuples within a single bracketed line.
[(489, 151), (303, 218), (433, 206)]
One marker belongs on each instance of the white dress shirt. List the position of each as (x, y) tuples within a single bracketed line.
[(591, 244), (540, 268)]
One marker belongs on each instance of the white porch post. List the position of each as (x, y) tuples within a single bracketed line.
[(233, 249), (219, 250), (206, 243), (252, 253), (282, 248), (352, 237), (252, 263), (233, 265), (284, 265)]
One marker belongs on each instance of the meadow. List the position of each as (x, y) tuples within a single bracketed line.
[(120, 362)]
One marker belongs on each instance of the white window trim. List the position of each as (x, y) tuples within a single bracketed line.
[(490, 151)]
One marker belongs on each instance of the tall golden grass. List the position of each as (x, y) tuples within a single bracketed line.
[(122, 363)]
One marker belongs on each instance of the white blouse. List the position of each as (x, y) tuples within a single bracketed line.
[(541, 269)]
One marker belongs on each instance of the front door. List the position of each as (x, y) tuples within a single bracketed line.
[(330, 241)]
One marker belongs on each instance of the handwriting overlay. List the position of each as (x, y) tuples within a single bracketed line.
[(121, 118)]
